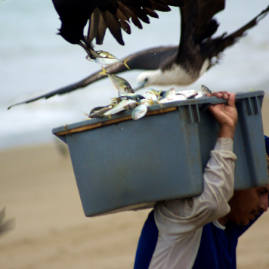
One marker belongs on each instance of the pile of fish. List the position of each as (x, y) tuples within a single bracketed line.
[(139, 103), (129, 100)]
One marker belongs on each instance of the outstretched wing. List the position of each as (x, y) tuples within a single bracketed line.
[(147, 60), (197, 25), (222, 42), (197, 29), (102, 14)]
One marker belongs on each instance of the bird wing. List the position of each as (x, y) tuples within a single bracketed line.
[(116, 15), (197, 29), (222, 42), (197, 24), (102, 14), (149, 59)]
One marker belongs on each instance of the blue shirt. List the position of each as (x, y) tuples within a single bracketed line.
[(217, 246)]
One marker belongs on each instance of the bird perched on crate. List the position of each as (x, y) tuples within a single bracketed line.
[(178, 65)]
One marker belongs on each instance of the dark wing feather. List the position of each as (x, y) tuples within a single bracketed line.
[(197, 24), (147, 60), (197, 28), (93, 27), (74, 15), (221, 43), (114, 26)]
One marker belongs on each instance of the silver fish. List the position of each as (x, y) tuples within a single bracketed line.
[(168, 96), (139, 112), (104, 58), (205, 91), (153, 95), (174, 98), (133, 96), (188, 93), (120, 84), (147, 102), (123, 105), (99, 112)]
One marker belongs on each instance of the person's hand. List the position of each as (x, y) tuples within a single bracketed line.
[(225, 114)]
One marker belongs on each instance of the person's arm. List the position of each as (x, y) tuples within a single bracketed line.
[(192, 213)]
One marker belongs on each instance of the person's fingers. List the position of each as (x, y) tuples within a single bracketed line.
[(223, 94), (231, 100)]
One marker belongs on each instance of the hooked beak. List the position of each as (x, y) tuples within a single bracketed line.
[(139, 85), (89, 49)]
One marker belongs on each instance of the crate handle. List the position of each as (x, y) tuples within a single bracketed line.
[(192, 114), (253, 106)]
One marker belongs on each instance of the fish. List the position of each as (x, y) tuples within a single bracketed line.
[(188, 94), (98, 112), (168, 96), (153, 95), (181, 65), (120, 84), (104, 58), (205, 91), (123, 105), (147, 102), (140, 103), (139, 112), (133, 96)]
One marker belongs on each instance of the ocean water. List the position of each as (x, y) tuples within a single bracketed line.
[(34, 60)]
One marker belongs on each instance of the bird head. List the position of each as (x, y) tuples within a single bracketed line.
[(72, 32), (148, 78)]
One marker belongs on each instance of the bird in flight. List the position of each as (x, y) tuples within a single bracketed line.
[(100, 15), (165, 65)]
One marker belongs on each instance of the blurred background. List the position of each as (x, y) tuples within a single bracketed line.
[(34, 60), (37, 183)]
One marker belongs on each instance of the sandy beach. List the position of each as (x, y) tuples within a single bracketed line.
[(39, 191)]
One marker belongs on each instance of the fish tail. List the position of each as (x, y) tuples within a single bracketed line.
[(103, 72), (87, 115), (125, 63)]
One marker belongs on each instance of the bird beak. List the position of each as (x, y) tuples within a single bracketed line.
[(139, 85)]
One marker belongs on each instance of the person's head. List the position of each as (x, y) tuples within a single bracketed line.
[(247, 204)]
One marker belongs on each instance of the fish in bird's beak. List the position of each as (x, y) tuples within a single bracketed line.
[(104, 58), (120, 84), (100, 56)]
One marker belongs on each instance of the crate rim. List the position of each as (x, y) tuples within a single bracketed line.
[(152, 110)]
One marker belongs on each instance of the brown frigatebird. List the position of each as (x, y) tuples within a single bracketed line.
[(100, 15), (178, 65)]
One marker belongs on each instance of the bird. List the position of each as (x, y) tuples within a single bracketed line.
[(114, 15), (5, 225), (180, 65)]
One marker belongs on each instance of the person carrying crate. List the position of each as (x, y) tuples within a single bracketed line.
[(202, 231)]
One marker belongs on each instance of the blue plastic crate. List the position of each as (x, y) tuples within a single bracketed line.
[(122, 164)]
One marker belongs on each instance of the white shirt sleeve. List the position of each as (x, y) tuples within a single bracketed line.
[(180, 221)]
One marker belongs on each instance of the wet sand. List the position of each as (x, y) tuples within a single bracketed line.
[(38, 189)]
